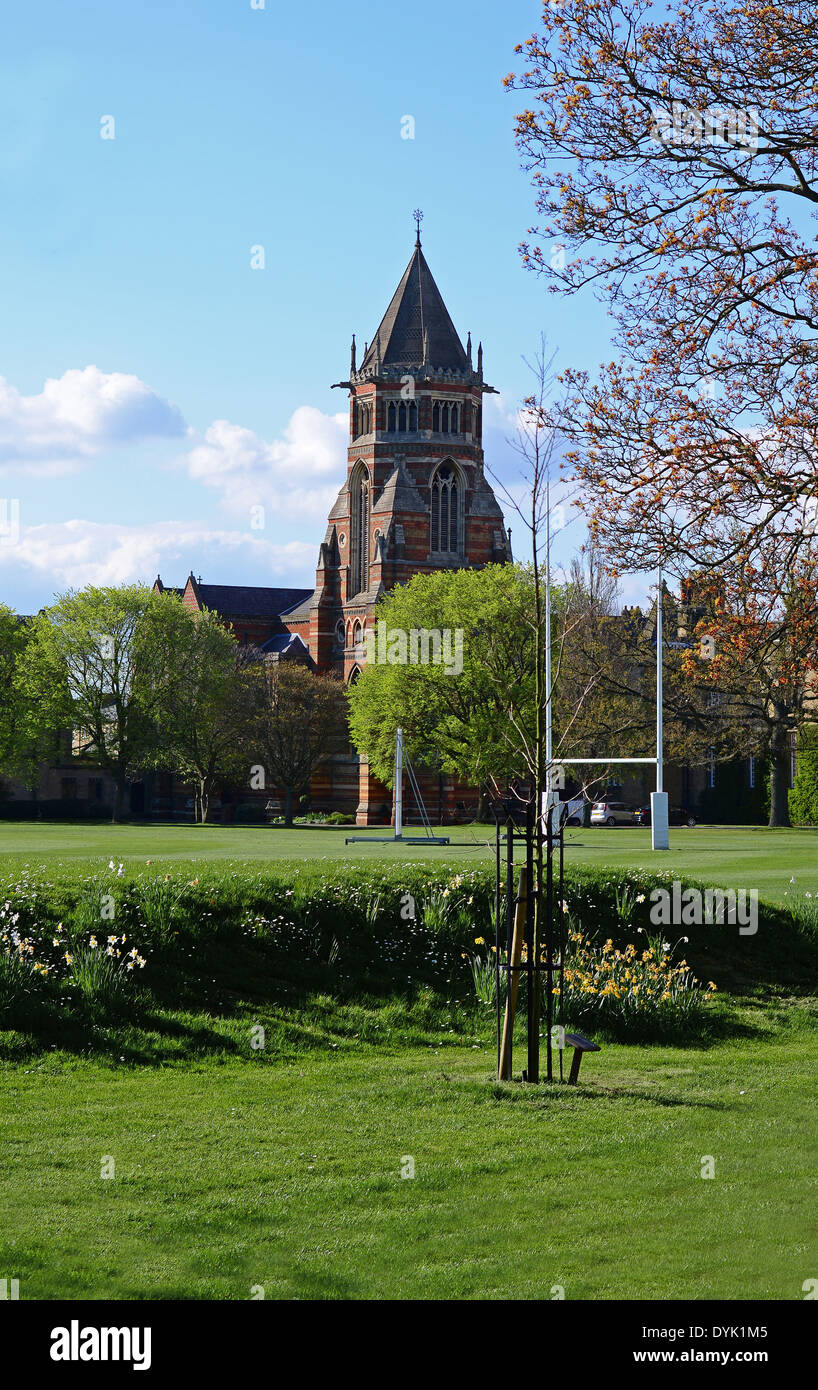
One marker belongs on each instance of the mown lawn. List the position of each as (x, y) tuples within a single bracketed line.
[(289, 1176), (728, 856)]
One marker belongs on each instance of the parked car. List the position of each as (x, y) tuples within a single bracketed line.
[(677, 815), (613, 813)]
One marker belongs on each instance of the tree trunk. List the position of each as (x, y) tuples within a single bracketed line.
[(779, 786), (204, 801), (288, 806)]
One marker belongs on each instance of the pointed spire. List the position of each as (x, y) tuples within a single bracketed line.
[(480, 359), (416, 327), (468, 348), (352, 355)]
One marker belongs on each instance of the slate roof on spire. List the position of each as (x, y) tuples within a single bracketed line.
[(417, 307)]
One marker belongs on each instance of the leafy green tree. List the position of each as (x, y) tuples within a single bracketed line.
[(202, 705), (94, 665), (12, 643), (26, 743), (298, 720), (804, 792), (477, 722)]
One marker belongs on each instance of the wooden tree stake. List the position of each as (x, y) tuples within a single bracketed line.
[(517, 939)]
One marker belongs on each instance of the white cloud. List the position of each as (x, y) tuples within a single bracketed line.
[(71, 554), (86, 411), (499, 413), (76, 416), (295, 477)]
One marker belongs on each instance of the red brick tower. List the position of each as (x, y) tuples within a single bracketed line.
[(415, 497)]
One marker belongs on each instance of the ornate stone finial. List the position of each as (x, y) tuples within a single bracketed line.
[(468, 348), (418, 216), (352, 355), (480, 359)]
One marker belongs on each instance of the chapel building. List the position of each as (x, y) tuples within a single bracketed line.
[(415, 499)]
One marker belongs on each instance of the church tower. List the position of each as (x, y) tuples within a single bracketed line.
[(415, 497)]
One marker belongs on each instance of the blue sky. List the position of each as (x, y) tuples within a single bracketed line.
[(155, 387)]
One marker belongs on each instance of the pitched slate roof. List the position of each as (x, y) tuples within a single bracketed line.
[(249, 601), (241, 600), (417, 310), (400, 494), (286, 644), (301, 609)]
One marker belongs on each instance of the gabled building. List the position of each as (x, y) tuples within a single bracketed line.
[(255, 614)]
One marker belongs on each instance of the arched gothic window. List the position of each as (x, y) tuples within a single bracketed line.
[(445, 417), (391, 420), (402, 417), (413, 415), (359, 508), (447, 498), (362, 418)]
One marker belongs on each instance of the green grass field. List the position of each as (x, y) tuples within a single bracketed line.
[(749, 857), (282, 1167)]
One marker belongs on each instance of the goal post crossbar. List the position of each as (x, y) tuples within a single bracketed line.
[(575, 762)]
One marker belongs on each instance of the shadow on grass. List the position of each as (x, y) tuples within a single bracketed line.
[(216, 1010), (551, 1093)]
